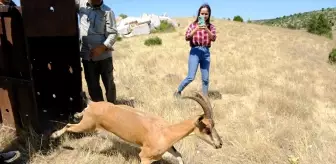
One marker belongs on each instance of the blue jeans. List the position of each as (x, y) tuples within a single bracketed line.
[(198, 55)]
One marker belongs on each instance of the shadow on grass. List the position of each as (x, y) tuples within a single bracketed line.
[(127, 151)]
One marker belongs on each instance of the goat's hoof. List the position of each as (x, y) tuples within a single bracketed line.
[(54, 135)]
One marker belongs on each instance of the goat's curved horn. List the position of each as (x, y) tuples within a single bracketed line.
[(206, 99), (202, 103)]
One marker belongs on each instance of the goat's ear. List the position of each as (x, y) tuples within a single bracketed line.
[(199, 122)]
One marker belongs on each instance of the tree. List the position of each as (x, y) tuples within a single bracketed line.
[(123, 16), (238, 18), (319, 24)]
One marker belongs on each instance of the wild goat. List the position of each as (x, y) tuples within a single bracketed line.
[(153, 134)]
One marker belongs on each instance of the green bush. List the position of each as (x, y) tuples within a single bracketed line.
[(123, 16), (332, 56), (291, 26), (238, 18), (119, 38), (320, 25), (153, 41), (165, 26)]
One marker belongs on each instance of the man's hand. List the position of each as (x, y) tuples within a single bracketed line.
[(98, 50)]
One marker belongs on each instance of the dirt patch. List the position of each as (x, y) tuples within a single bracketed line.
[(213, 94), (172, 78)]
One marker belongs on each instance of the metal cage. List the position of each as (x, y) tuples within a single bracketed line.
[(40, 70)]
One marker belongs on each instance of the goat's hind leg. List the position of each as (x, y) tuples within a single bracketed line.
[(176, 154)]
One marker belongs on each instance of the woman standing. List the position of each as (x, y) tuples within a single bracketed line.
[(200, 38)]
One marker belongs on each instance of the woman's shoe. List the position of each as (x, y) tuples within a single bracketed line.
[(177, 94)]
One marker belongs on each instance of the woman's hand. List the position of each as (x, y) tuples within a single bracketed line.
[(211, 35), (194, 30), (197, 28), (202, 27)]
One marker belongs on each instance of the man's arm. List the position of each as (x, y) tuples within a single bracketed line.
[(111, 30)]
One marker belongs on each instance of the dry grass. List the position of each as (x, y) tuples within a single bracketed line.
[(277, 100)]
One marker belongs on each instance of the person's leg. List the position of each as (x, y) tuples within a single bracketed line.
[(193, 62), (205, 67), (91, 74), (9, 156), (106, 67)]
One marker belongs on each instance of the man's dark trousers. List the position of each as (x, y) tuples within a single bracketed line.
[(93, 70)]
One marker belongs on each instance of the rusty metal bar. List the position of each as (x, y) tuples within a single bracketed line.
[(7, 115), (15, 72), (15, 79), (6, 111), (4, 8)]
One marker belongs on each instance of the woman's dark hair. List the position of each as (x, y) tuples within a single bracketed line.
[(199, 11)]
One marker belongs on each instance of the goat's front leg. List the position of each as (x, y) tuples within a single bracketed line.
[(78, 115), (143, 158), (60, 132), (146, 161), (176, 154), (86, 125), (146, 156)]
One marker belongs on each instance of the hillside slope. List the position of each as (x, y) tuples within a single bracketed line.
[(299, 20), (277, 100)]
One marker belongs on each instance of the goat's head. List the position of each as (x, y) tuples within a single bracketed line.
[(205, 126)]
